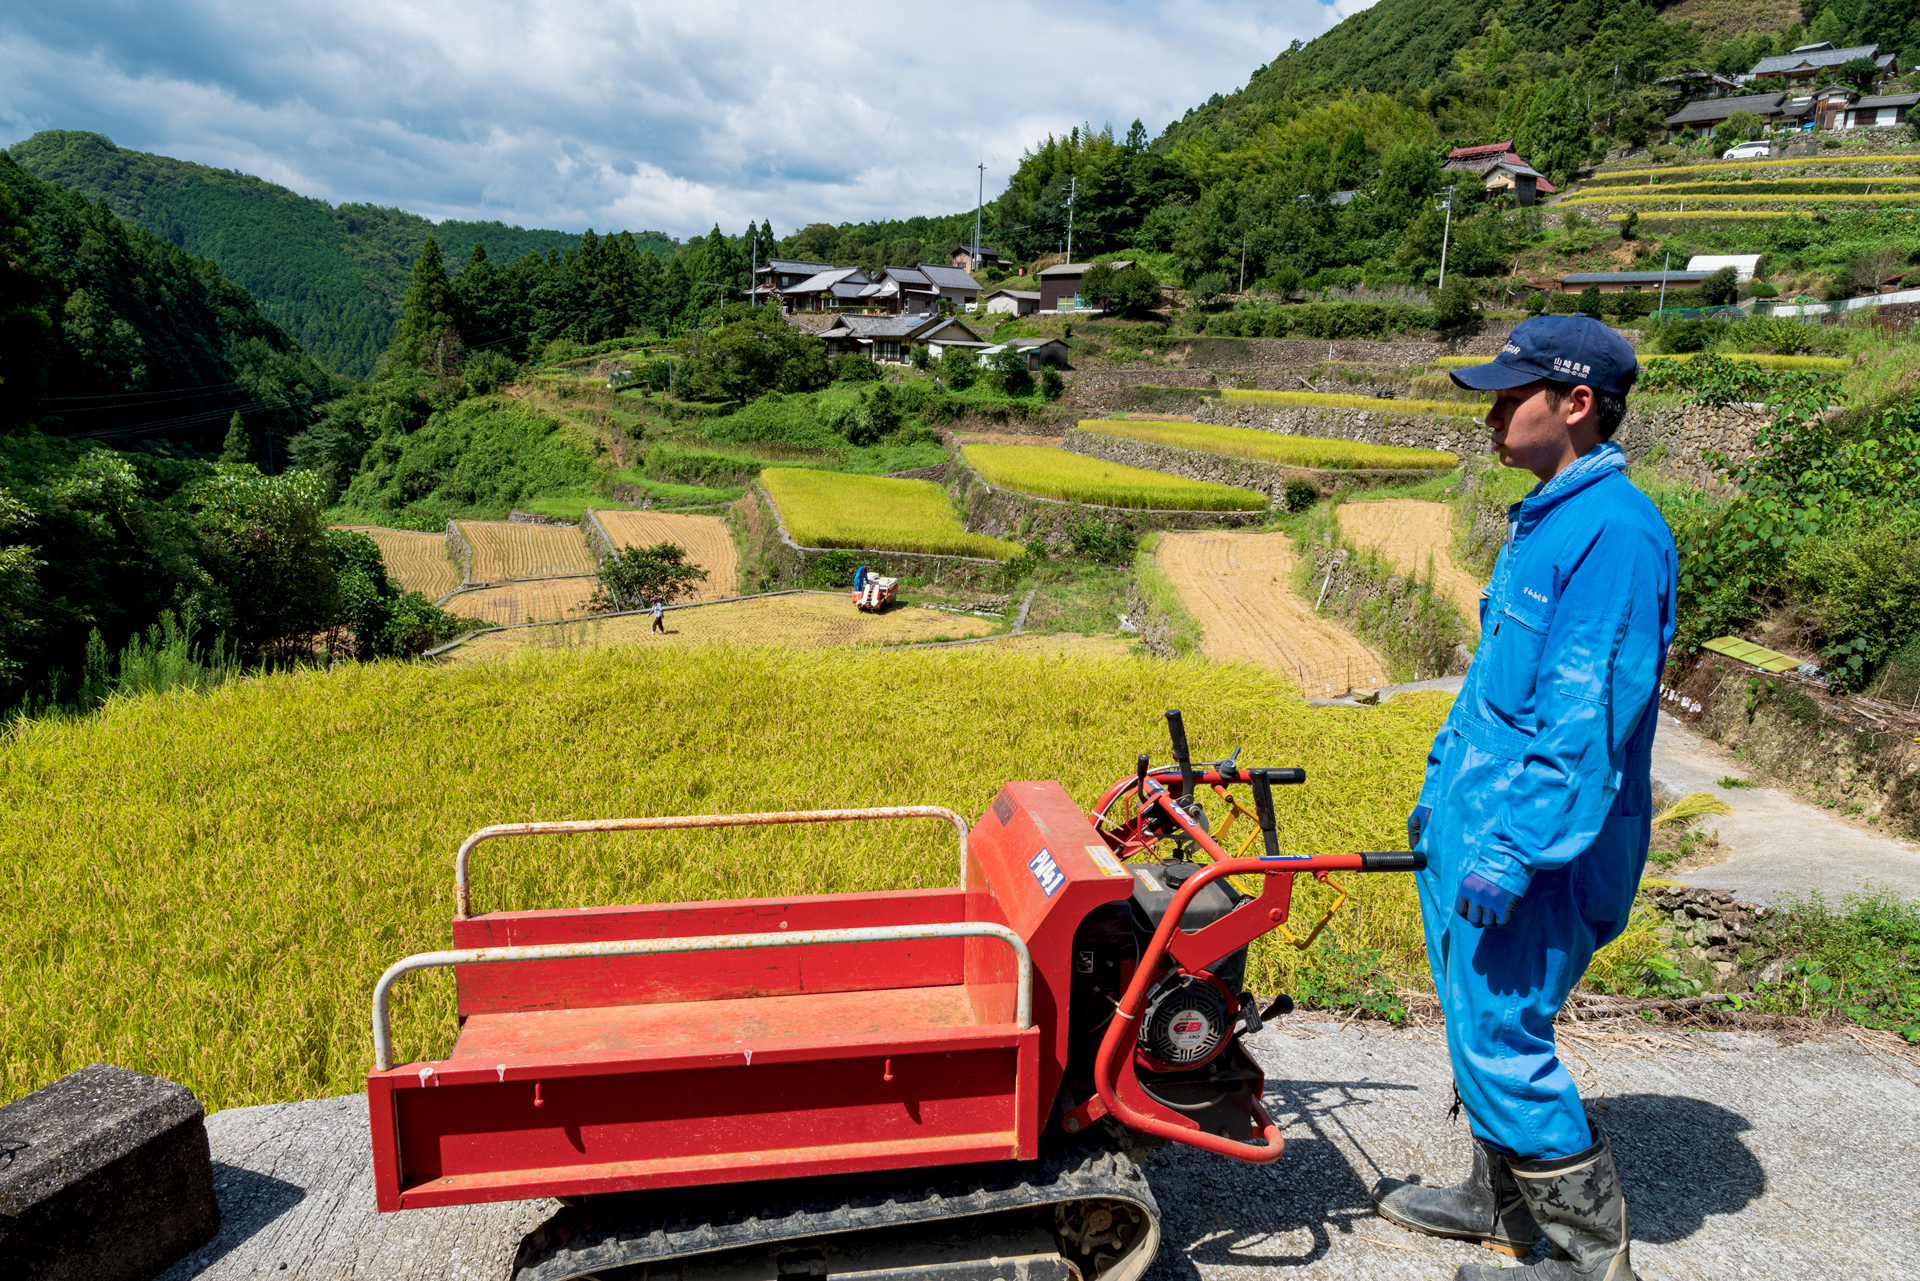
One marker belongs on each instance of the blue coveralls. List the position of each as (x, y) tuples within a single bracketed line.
[(1538, 782)]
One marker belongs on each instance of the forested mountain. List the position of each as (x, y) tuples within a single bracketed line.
[(116, 335), (332, 276)]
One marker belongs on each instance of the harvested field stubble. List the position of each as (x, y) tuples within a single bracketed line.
[(807, 620), (706, 539), (503, 551), (540, 600), (205, 887), (834, 509), (1415, 538), (417, 562), (1272, 447), (1075, 478), (1239, 587)]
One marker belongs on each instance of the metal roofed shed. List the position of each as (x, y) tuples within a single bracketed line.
[(1701, 115), (1615, 282), (1803, 62), (1019, 302), (1744, 265), (1060, 284), (1038, 351)]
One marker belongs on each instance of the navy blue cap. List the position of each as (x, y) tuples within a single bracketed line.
[(1562, 349)]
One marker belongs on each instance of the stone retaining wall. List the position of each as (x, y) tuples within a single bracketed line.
[(1226, 469), (1023, 518), (1160, 377), (1683, 434), (1454, 434), (461, 551)]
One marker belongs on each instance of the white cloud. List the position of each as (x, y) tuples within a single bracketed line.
[(632, 113)]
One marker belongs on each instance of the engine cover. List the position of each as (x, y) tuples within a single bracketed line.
[(1185, 1022), (1155, 884)]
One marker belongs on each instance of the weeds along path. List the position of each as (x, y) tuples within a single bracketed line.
[(504, 551), (705, 538), (807, 620), (540, 600), (1416, 538), (1239, 587), (417, 562)]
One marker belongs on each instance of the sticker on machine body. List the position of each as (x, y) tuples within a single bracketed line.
[(1104, 860), (1148, 879), (1046, 872)]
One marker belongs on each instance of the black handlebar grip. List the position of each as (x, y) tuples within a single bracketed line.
[(1177, 730), (1394, 861), (1263, 806), (1291, 774)]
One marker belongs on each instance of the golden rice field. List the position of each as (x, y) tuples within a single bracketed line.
[(834, 509), (540, 600), (1637, 195), (1272, 447), (1654, 215), (504, 551), (706, 539), (1075, 478), (1334, 400), (205, 887), (417, 562), (806, 620), (1836, 364)]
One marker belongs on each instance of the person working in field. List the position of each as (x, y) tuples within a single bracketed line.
[(659, 615), (1534, 813)]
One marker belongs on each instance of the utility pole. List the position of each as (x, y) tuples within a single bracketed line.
[(1073, 188), (979, 203), (753, 265), (1663, 285), (1446, 232), (1243, 261)]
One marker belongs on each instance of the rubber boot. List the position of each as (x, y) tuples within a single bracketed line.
[(1486, 1209), (1578, 1204)]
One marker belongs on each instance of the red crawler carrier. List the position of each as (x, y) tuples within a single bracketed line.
[(950, 1081)]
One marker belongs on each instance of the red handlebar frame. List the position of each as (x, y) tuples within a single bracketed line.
[(1113, 1069)]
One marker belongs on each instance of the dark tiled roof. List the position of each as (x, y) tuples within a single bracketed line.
[(794, 264), (1889, 100), (908, 275), (1813, 58), (947, 277), (1082, 268), (1490, 149), (1761, 104), (1031, 294)]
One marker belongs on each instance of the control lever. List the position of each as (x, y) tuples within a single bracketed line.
[(1263, 807), (1177, 729), (1140, 778)]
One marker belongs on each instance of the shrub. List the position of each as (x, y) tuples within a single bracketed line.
[(1051, 383), (1453, 306), (853, 367), (488, 372), (1589, 302), (1300, 494), (1720, 288), (1009, 369), (960, 366), (1107, 544), (1208, 286), (1685, 335), (789, 420), (1631, 226)]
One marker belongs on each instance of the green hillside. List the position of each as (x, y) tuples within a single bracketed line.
[(332, 276)]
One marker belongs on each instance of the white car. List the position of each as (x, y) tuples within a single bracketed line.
[(1747, 151)]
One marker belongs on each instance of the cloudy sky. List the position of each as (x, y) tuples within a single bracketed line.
[(637, 114)]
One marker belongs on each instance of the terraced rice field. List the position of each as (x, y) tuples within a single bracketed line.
[(834, 509), (1239, 587), (1075, 478), (809, 620), (705, 537), (417, 562), (1415, 538), (540, 600), (1335, 400), (503, 551), (1271, 446)]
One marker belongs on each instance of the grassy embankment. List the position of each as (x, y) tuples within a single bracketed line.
[(1334, 400), (829, 509), (1055, 473), (1272, 447)]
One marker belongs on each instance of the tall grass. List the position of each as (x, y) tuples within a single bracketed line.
[(1333, 400), (1074, 478), (205, 887), (1272, 447), (833, 509)]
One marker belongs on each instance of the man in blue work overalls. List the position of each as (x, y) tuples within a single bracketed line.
[(1534, 814)]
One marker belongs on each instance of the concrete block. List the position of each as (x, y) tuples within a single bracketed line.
[(105, 1175)]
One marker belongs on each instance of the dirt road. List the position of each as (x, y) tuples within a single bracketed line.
[(1415, 538), (705, 537), (1238, 585)]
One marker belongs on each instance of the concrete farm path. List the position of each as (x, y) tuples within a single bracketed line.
[(1741, 1154), (1237, 585), (1416, 538)]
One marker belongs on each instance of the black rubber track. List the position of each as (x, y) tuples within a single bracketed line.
[(619, 1231)]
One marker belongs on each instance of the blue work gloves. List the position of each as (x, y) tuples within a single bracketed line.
[(1416, 823), (1483, 903)]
